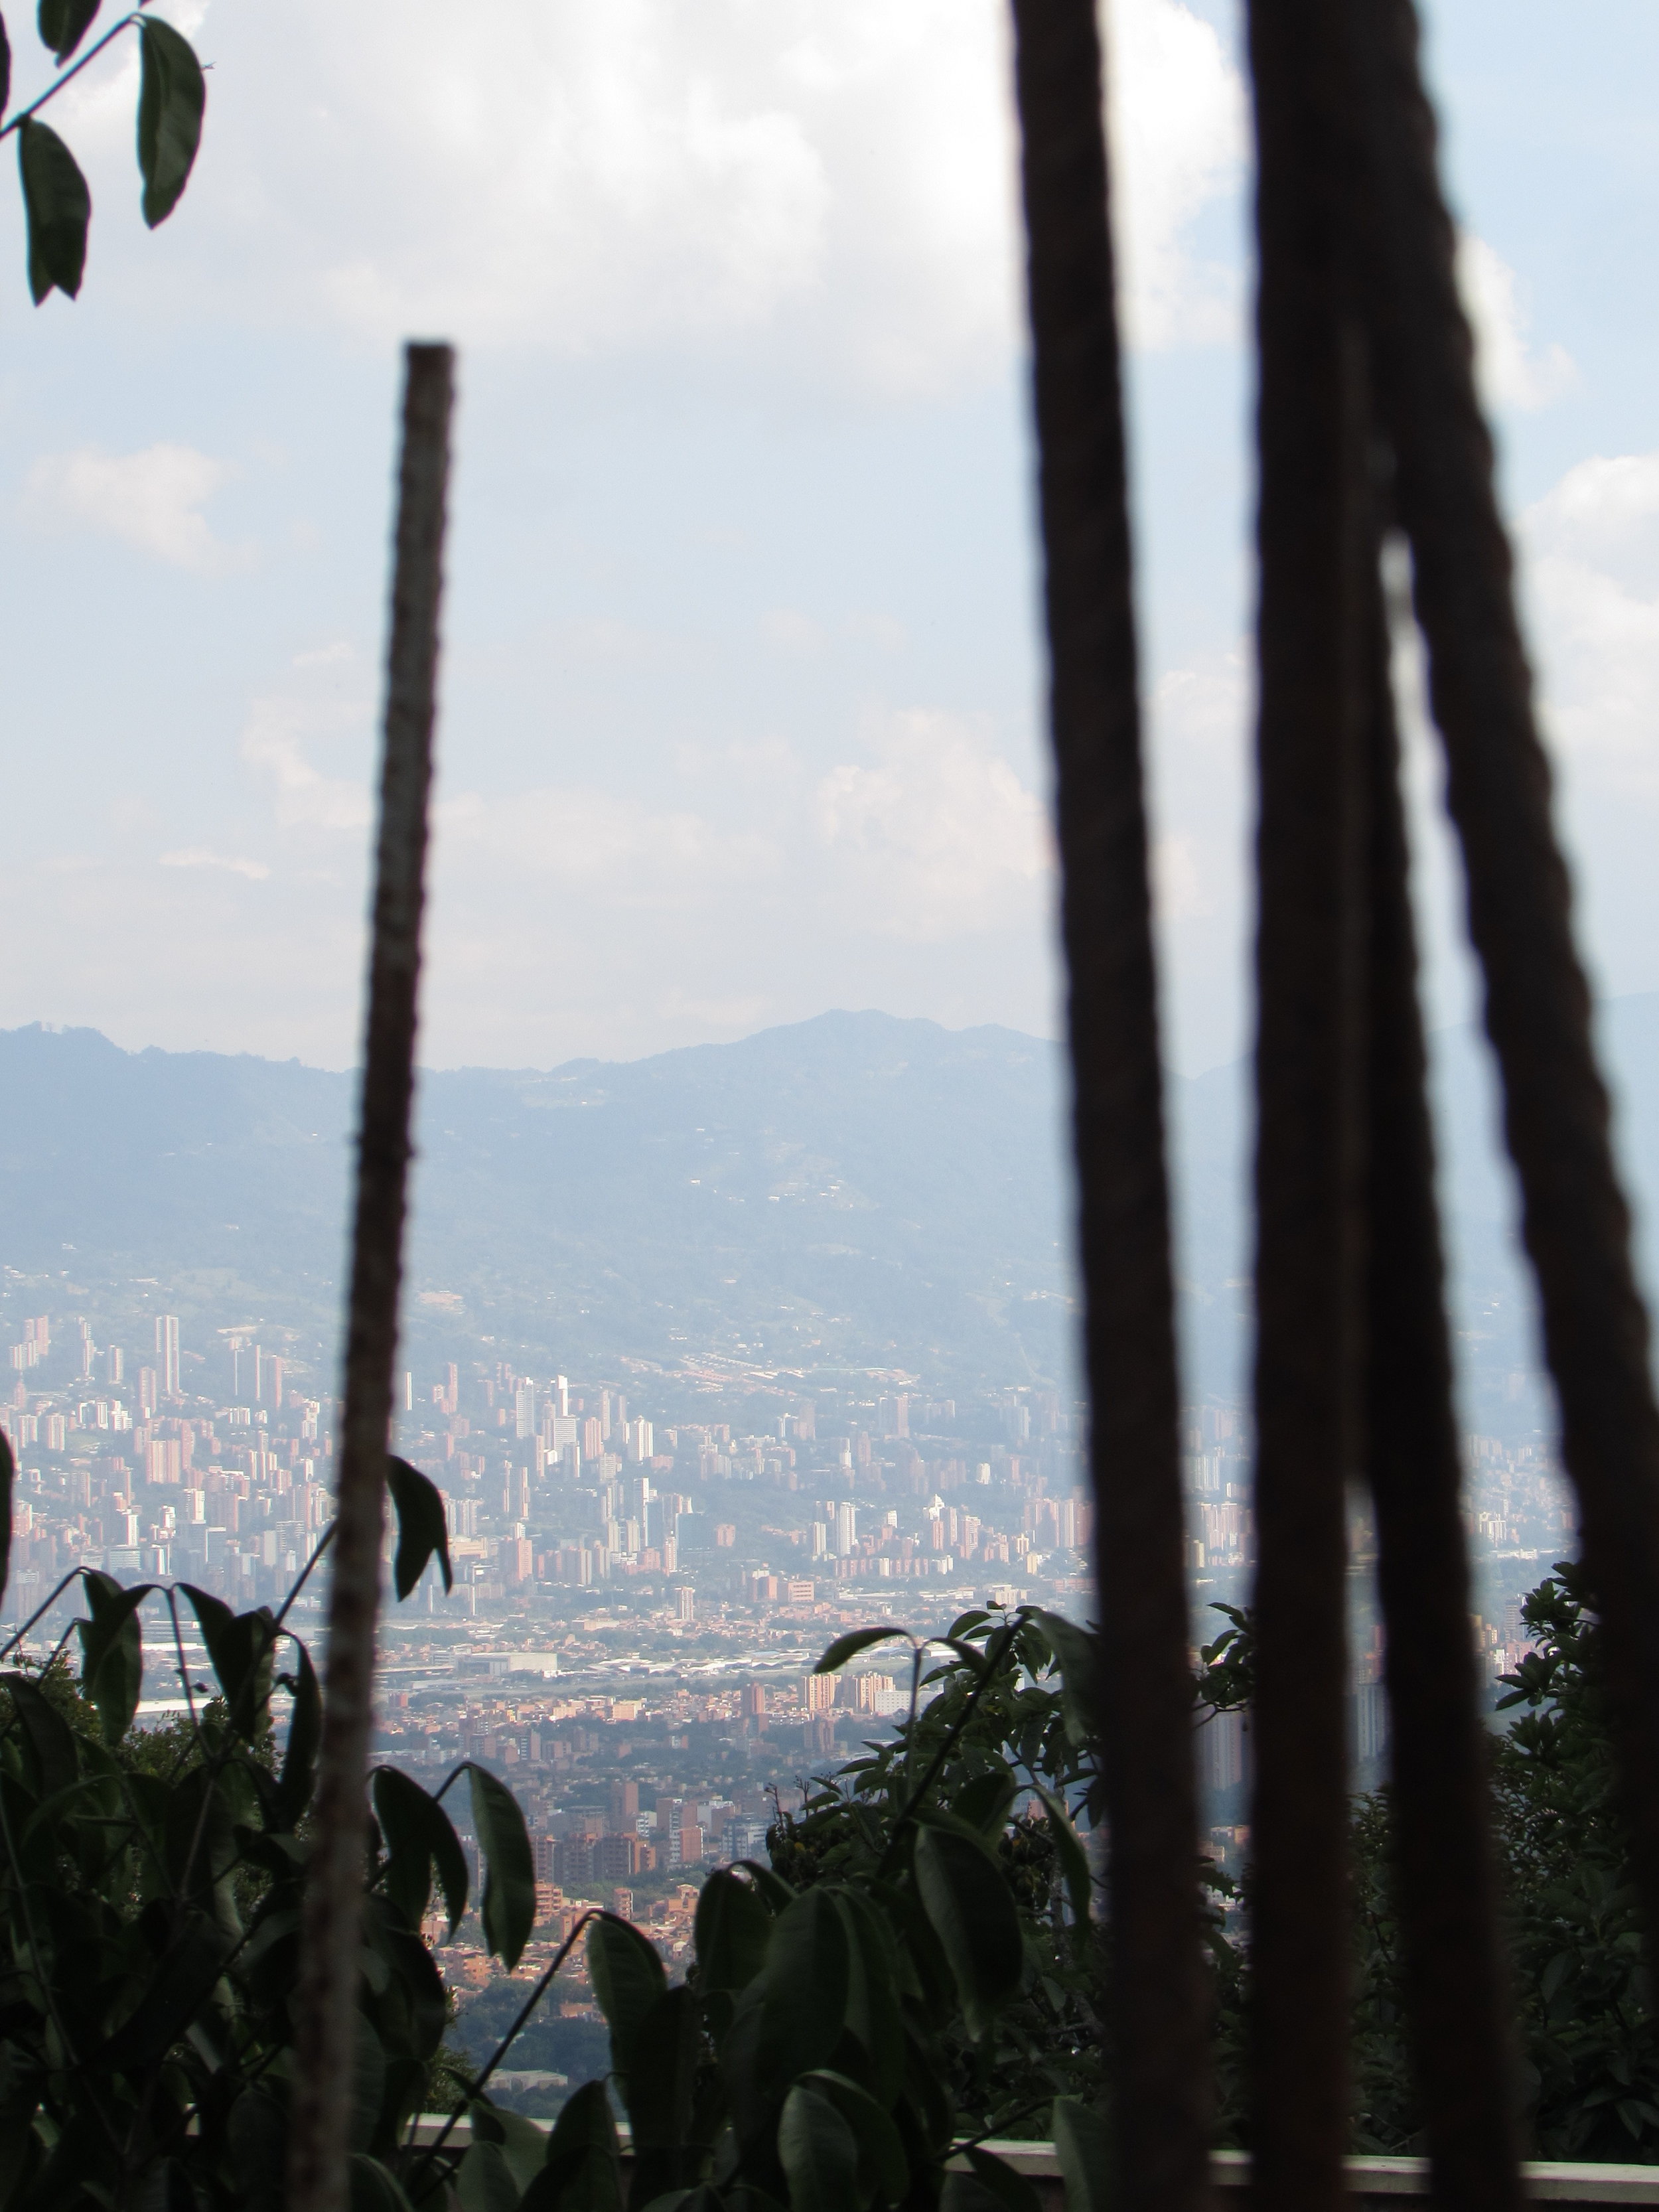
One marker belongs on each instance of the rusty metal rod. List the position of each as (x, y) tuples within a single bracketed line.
[(1155, 2002), (326, 1999)]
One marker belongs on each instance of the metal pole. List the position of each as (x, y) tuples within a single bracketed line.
[(326, 2000)]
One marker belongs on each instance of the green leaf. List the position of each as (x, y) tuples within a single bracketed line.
[(819, 2154), (304, 1736), (180, 1984), (804, 1987), (856, 1640), (418, 1836), (484, 2182), (1004, 2184), (583, 2172), (63, 24), (48, 1734), (883, 2166), (1079, 2132), (662, 2071), (422, 1529), (628, 1980), (874, 2015), (372, 2188), (111, 1650), (1073, 1859), (58, 207), (732, 1930), (968, 1903), (983, 1802), (1078, 1651), (509, 1911), (241, 1646), (8, 1464), (172, 94)]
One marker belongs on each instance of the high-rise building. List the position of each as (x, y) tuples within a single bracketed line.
[(524, 1409), (562, 1394), (115, 1365), (147, 1391), (817, 1693), (624, 1803), (166, 1354), (258, 1374), (846, 1527), (752, 1700), (685, 1603)]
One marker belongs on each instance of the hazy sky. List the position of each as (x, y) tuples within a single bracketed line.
[(741, 688)]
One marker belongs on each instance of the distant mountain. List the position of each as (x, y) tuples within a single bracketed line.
[(854, 1189)]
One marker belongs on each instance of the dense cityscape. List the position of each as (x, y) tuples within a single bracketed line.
[(646, 1568)]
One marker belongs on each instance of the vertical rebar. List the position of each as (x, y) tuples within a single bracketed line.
[(1156, 2004), (326, 1998), (1312, 433), (1454, 1972), (1575, 1219)]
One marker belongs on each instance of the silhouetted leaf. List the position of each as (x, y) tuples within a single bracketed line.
[(873, 2012), (627, 1981), (8, 1464), (111, 1650), (484, 2181), (856, 1640), (583, 2172), (733, 1929), (804, 1987), (63, 24), (1080, 2145), (179, 1987), (418, 1835), (172, 94), (1073, 1859), (1077, 1650), (819, 2154), (662, 2069), (58, 207), (422, 1529), (973, 1914), (508, 1910), (48, 1734), (304, 1736), (372, 2188), (884, 2168)]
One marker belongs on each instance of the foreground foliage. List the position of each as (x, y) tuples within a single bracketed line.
[(910, 1973)]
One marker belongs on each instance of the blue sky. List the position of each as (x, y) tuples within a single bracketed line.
[(741, 686)]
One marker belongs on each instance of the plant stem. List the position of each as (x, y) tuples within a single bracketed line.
[(74, 71)]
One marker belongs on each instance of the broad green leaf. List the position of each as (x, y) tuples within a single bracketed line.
[(178, 1986), (856, 1640), (983, 1802), (172, 94), (804, 1987), (874, 2016), (733, 1929), (965, 1623), (1078, 1650), (372, 2189), (508, 1910), (422, 1529), (662, 2072), (521, 2142), (48, 1734), (883, 2166), (418, 1836), (63, 24), (484, 2182), (5, 96), (583, 2172), (8, 1464), (972, 1911), (1080, 2145), (1003, 2184), (111, 1650), (627, 1981), (304, 1736), (1073, 1859), (58, 207), (819, 2154), (257, 2133)]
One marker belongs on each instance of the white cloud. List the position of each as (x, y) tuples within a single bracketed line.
[(1592, 580), (836, 177), (1511, 374), (937, 836), (274, 743), (202, 856), (151, 499)]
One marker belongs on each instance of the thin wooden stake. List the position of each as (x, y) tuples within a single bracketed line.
[(327, 2001)]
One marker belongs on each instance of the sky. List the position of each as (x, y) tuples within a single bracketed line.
[(743, 686)]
